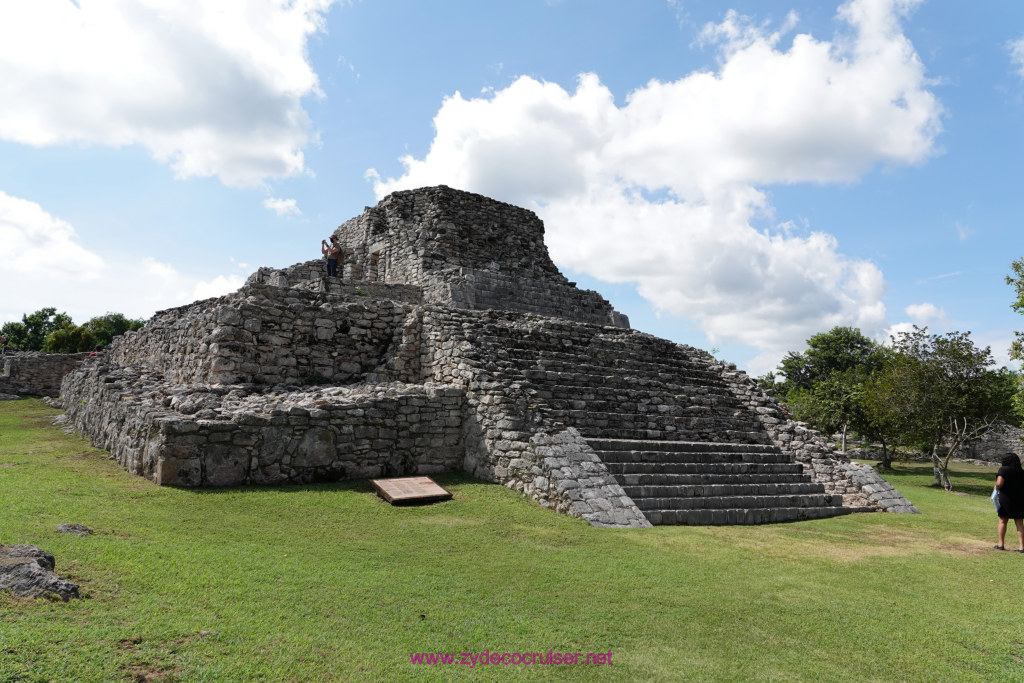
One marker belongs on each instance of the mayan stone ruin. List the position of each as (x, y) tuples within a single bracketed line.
[(451, 342)]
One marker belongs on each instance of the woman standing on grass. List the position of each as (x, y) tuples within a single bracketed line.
[(1010, 501)]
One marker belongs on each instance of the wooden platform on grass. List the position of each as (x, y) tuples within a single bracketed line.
[(410, 490)]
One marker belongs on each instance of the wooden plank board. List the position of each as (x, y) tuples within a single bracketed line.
[(406, 490)]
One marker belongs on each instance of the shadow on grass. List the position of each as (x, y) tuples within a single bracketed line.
[(354, 485), (973, 480)]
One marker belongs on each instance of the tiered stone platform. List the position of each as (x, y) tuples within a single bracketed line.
[(453, 343)]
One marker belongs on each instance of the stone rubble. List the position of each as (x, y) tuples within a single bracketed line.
[(27, 571)]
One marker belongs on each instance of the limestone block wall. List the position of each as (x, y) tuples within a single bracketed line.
[(267, 335), (36, 374), (226, 436)]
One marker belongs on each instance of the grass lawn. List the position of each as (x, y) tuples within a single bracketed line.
[(328, 582)]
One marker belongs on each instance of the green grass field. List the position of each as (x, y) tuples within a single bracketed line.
[(328, 582)]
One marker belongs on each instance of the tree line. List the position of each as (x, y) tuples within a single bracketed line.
[(52, 332), (935, 393)]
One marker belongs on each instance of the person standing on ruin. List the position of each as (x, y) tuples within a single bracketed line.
[(333, 253), (1010, 498)]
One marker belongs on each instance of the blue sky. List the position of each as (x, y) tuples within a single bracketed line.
[(732, 175)]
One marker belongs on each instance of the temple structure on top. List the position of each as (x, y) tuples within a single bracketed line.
[(451, 342), (462, 250)]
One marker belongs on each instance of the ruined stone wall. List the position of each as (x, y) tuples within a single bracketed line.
[(231, 435), (418, 231), (36, 374), (996, 443), (464, 250), (267, 335), (311, 276)]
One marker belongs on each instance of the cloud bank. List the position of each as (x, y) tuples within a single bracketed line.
[(43, 255), (211, 88), (664, 190)]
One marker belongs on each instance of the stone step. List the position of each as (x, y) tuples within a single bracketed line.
[(646, 445), (750, 437), (806, 500), (695, 468), (581, 419), (696, 457), (705, 479), (620, 402), (633, 396), (558, 358), (608, 377), (722, 490), (563, 360), (731, 516)]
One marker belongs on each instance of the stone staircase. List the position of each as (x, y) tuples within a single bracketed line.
[(665, 423), (700, 483)]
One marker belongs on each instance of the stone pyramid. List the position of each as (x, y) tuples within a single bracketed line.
[(451, 342)]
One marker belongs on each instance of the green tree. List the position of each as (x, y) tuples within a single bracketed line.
[(834, 404), (838, 350), (1017, 348), (31, 332), (69, 338), (937, 392), (823, 385), (1016, 280), (103, 328)]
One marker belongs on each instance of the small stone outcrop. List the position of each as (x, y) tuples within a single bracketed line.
[(28, 572), (452, 343), (75, 529)]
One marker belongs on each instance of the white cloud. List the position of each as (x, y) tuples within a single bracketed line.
[(282, 207), (210, 88), (963, 231), (663, 190), (42, 263), (925, 314), (1016, 48), (34, 242), (218, 286), (895, 330)]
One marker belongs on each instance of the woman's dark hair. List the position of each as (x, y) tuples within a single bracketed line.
[(1012, 460)]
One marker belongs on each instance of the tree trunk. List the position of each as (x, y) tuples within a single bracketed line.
[(937, 467), (886, 462), (843, 449)]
